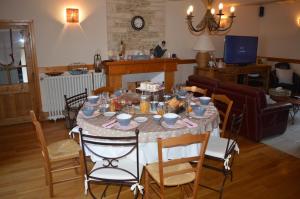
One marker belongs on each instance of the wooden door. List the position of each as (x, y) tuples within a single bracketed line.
[(19, 89)]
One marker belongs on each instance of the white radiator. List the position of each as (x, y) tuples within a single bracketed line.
[(53, 90)]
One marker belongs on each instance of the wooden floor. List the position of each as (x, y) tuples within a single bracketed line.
[(259, 171)]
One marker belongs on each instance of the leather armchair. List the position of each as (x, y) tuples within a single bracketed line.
[(274, 82), (261, 119)]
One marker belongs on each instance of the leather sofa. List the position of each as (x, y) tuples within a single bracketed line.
[(261, 119)]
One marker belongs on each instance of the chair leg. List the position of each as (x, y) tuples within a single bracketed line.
[(89, 189), (146, 194), (46, 175), (119, 191), (50, 184), (222, 187)]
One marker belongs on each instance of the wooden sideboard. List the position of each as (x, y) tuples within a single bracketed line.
[(230, 72), (114, 70)]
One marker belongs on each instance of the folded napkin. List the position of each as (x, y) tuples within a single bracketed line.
[(189, 123), (109, 124)]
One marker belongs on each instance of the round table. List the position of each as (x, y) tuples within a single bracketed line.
[(149, 132)]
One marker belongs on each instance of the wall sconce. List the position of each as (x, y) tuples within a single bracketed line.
[(72, 15), (298, 21)]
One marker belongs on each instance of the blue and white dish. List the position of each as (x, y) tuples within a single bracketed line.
[(93, 99), (199, 110), (88, 111), (156, 118), (170, 118), (204, 100), (124, 119)]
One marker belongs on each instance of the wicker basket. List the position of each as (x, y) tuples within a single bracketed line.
[(279, 92)]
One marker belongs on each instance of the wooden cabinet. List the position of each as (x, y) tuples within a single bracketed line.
[(230, 73)]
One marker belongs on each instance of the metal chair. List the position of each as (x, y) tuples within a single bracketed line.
[(223, 150), (224, 105), (72, 107), (109, 169), (66, 150), (176, 172)]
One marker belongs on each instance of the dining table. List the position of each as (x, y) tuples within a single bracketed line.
[(149, 131)]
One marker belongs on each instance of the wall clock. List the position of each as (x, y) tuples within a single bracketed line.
[(137, 23)]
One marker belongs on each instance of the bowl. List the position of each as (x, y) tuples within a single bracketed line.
[(181, 92), (88, 111), (156, 118), (199, 110), (193, 104), (93, 99), (109, 114), (170, 118), (124, 119), (204, 100)]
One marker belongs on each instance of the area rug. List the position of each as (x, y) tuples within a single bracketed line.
[(288, 142)]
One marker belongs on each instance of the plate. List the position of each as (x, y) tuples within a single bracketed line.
[(140, 119), (178, 125), (95, 114), (109, 114), (193, 115), (132, 125)]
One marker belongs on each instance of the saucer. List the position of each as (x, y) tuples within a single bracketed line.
[(178, 125), (140, 119), (193, 115), (132, 125), (95, 114)]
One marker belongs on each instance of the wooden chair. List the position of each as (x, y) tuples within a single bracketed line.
[(66, 151), (222, 150), (224, 105), (176, 172), (103, 89), (73, 105), (195, 89), (108, 169)]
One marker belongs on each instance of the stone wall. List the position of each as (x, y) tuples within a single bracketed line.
[(119, 15)]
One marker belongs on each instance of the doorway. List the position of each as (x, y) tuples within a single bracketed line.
[(19, 85)]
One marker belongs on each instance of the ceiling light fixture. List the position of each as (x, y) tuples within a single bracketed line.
[(211, 19)]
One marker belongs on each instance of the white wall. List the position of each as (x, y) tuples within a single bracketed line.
[(280, 33), (58, 43)]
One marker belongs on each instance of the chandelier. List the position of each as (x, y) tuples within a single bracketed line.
[(211, 19)]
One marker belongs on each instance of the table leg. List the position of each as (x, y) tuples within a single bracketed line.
[(294, 111)]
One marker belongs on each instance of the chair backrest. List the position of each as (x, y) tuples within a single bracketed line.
[(282, 65), (40, 135), (195, 89), (109, 162), (76, 100), (97, 91), (224, 105), (183, 140), (235, 128)]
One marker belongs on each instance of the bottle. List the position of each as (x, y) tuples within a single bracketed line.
[(97, 63)]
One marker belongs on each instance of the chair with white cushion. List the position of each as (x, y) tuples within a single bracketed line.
[(116, 169), (223, 150)]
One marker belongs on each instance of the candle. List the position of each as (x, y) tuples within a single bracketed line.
[(212, 11), (221, 6), (190, 10), (232, 9)]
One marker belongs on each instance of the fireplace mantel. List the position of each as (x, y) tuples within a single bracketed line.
[(116, 69)]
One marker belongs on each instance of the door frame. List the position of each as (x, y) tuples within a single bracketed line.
[(35, 73)]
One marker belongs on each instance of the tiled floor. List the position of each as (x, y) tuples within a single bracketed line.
[(288, 142)]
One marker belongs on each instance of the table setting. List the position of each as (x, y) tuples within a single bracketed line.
[(164, 116), (173, 115)]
